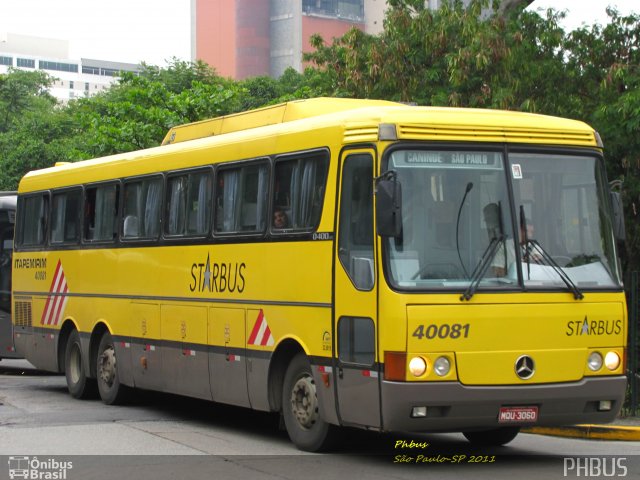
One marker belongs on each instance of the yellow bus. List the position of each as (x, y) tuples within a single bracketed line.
[(344, 262)]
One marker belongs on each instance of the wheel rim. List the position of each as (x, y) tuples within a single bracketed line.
[(75, 364), (304, 402), (107, 366)]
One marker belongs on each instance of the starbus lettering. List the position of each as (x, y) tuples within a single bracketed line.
[(593, 327), (217, 277)]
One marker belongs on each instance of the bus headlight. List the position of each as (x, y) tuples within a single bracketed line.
[(417, 366), (612, 360), (442, 366), (595, 361)]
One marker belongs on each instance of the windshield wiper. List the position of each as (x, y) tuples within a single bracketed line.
[(525, 234), (481, 268), (464, 197), (577, 294)]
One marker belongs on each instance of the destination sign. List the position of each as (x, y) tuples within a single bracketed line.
[(446, 159)]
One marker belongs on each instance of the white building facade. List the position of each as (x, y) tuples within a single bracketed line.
[(73, 78)]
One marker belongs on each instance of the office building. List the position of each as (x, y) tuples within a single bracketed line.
[(73, 78), (246, 38)]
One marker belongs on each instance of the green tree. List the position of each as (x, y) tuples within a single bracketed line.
[(451, 56), (21, 92), (39, 141), (261, 91), (609, 60), (34, 131), (138, 111)]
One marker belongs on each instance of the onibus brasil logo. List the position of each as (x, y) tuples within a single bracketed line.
[(33, 468)]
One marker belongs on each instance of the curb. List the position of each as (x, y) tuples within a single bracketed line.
[(590, 432)]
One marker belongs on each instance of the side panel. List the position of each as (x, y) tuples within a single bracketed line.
[(185, 363), (227, 356), (262, 330), (146, 357), (41, 350)]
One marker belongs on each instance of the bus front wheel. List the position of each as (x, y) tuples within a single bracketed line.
[(306, 429), (78, 384), (111, 391), (494, 437)]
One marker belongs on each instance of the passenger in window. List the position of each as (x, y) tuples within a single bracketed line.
[(280, 219)]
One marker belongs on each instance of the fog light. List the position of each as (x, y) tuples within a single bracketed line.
[(612, 360), (595, 361), (604, 405), (417, 366), (418, 412), (442, 366)]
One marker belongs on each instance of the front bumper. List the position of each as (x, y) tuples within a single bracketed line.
[(452, 406)]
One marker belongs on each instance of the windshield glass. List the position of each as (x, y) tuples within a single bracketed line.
[(460, 231), (564, 199)]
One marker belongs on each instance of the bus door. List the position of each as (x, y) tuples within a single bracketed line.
[(355, 356)]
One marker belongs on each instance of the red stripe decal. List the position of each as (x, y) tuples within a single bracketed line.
[(256, 328)]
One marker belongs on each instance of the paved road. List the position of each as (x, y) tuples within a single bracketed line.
[(164, 437)]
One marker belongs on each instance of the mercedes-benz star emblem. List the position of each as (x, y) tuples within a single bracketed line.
[(525, 367)]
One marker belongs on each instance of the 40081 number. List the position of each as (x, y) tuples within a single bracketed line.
[(453, 331)]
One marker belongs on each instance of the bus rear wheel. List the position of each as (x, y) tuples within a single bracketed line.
[(78, 384), (494, 437), (306, 429), (111, 391)]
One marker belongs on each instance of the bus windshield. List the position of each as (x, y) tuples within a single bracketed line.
[(475, 219)]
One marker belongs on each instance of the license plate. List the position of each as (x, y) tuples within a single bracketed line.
[(518, 415)]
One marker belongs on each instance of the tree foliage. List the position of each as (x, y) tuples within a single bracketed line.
[(137, 112), (34, 132)]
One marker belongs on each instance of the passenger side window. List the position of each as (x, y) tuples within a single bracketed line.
[(241, 199), (101, 213), (33, 219), (299, 191), (65, 217), (188, 210), (142, 203), (355, 236), (175, 215)]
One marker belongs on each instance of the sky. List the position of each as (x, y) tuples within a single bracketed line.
[(585, 11), (118, 30), (155, 31)]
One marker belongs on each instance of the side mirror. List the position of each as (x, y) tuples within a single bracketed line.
[(618, 216), (389, 205)]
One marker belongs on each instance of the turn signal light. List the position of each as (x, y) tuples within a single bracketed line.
[(395, 364)]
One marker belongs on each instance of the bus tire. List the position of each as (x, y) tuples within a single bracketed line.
[(306, 429), (109, 387), (78, 384), (495, 437)]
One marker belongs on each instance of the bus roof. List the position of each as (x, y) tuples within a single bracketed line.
[(353, 121), (271, 115)]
